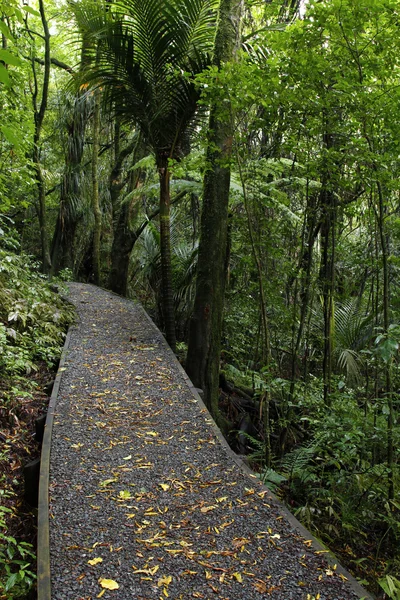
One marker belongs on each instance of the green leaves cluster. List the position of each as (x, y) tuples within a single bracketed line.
[(33, 318), (16, 576)]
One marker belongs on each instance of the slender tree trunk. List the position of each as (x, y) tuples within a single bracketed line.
[(62, 246), (165, 243), (39, 113), (305, 265), (95, 188), (124, 237), (383, 238), (327, 270), (204, 346)]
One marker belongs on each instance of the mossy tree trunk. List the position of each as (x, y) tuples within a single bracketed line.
[(95, 188), (165, 244), (62, 246), (124, 213), (204, 347), (39, 114)]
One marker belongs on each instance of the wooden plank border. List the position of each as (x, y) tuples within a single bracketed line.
[(43, 539)]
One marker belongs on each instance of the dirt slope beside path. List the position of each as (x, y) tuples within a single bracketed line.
[(145, 502)]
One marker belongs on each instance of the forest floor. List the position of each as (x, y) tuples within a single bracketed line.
[(145, 498), (21, 403)]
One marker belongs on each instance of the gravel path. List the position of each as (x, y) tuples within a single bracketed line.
[(144, 496)]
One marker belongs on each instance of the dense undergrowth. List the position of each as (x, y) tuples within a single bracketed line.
[(33, 321), (327, 463)]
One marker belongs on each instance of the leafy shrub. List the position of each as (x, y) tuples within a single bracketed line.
[(33, 318), (16, 577)]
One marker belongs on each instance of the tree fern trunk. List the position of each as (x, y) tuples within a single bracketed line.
[(95, 189), (165, 243)]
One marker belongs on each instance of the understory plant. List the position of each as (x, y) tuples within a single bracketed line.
[(16, 576), (33, 321)]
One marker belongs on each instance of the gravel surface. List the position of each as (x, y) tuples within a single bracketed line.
[(144, 496)]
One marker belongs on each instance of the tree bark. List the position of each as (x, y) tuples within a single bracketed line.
[(39, 114), (68, 214), (124, 238), (165, 244), (95, 189), (204, 346)]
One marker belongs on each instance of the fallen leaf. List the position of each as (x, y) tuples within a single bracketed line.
[(107, 482), (108, 584), (164, 486), (164, 580), (95, 561), (238, 577), (261, 587), (206, 509), (125, 495)]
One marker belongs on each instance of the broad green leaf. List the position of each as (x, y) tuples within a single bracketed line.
[(10, 59), (4, 76), (12, 581), (10, 136), (5, 31), (31, 11)]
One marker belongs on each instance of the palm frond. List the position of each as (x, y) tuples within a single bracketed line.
[(144, 54)]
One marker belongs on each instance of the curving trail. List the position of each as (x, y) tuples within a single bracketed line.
[(145, 500)]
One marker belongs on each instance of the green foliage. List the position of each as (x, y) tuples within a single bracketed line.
[(145, 55), (391, 586), (16, 577), (33, 318)]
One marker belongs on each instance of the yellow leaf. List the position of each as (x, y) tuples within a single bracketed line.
[(101, 594), (238, 577), (108, 584), (164, 486), (107, 482), (164, 580), (153, 433), (208, 575), (95, 561)]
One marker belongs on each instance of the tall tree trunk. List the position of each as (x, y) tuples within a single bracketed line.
[(384, 242), (124, 237), (39, 113), (309, 237), (204, 347), (165, 243), (95, 188), (68, 213), (327, 270)]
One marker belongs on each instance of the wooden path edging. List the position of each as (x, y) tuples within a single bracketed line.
[(43, 538), (43, 544)]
